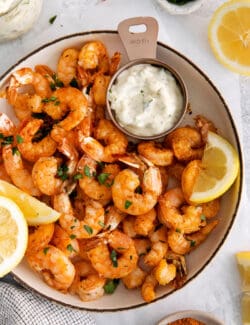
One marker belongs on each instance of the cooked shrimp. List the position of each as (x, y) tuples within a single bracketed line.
[(144, 223), (142, 245), (155, 153), (113, 217), (204, 125), (19, 175), (91, 224), (125, 186), (99, 89), (135, 278), (210, 209), (55, 267), (148, 288), (164, 272), (94, 55), (7, 127), (128, 226), (189, 220), (76, 103), (175, 170), (83, 269), (114, 63), (120, 262), (62, 203), (97, 187), (66, 243), (164, 178), (183, 244), (44, 174), (115, 142), (67, 65), (30, 150), (40, 238), (91, 288), (189, 176), (186, 143), (3, 174)]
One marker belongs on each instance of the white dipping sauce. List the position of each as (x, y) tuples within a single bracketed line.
[(146, 99)]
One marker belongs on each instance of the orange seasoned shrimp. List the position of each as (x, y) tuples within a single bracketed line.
[(114, 63), (96, 187), (158, 249), (66, 243), (175, 170), (189, 220), (99, 89), (128, 228), (164, 272), (113, 217), (33, 150), (67, 65), (120, 261), (155, 153), (55, 267), (204, 125), (83, 269), (115, 142), (19, 175), (186, 143), (44, 174), (148, 288), (3, 174), (91, 288), (144, 223), (164, 178), (77, 104), (210, 209), (189, 176), (94, 56), (7, 127), (183, 244), (40, 238), (142, 245), (125, 187), (135, 278), (91, 224)]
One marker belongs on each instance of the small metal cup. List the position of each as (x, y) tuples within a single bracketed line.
[(137, 45)]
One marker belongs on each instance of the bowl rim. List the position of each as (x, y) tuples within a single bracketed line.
[(186, 9), (240, 177)]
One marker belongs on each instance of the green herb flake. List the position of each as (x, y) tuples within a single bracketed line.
[(73, 83), (62, 172), (77, 176), (102, 178), (178, 230), (1, 136), (101, 224), (203, 217), (52, 19), (72, 236), (15, 151), (113, 257), (19, 139), (88, 229), (87, 171), (127, 204), (45, 250), (57, 103), (70, 248), (52, 86), (50, 99), (192, 243), (138, 190), (7, 140), (111, 285), (72, 227)]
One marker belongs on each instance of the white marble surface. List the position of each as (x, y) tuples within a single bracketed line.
[(217, 289)]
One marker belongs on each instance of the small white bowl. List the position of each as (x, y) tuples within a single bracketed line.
[(201, 316), (180, 10)]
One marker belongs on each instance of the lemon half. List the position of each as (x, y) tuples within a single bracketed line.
[(220, 167), (35, 211), (13, 235), (229, 35)]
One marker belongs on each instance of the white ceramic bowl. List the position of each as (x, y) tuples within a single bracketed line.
[(186, 9), (201, 316), (205, 99)]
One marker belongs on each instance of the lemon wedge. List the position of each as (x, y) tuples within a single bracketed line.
[(243, 262), (245, 308), (34, 211), (229, 35), (220, 167), (13, 235)]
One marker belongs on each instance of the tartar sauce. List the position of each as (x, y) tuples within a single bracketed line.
[(146, 99), (17, 17)]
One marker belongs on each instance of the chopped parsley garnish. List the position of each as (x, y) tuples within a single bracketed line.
[(192, 243), (1, 136), (52, 19), (70, 248), (62, 172), (15, 151), (87, 171), (102, 179), (113, 257), (77, 176), (7, 140), (101, 224), (56, 84), (127, 204), (19, 139), (177, 230), (49, 99), (203, 217), (72, 236), (111, 285), (45, 250), (88, 229)]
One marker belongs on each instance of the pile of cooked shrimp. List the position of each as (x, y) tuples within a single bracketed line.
[(124, 207)]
